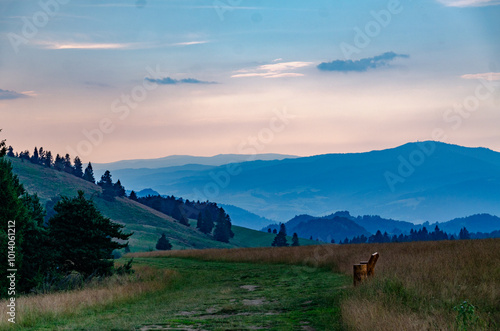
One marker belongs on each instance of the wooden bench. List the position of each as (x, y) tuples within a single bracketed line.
[(365, 269)]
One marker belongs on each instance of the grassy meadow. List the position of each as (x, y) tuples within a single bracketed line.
[(50, 310), (188, 294), (417, 286)]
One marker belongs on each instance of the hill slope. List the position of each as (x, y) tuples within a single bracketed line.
[(146, 223)]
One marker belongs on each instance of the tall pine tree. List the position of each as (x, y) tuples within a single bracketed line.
[(35, 157), (108, 189), (41, 155), (67, 164), (119, 189), (133, 196), (59, 163), (280, 239), (47, 161), (89, 174), (222, 231), (77, 168)]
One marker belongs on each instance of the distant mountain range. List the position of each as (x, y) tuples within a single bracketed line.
[(415, 182), (180, 160), (341, 224)]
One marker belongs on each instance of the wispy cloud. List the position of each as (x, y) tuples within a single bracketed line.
[(275, 70), (188, 43), (486, 76), (172, 81), (362, 64), (61, 45), (469, 3), (95, 46), (10, 95)]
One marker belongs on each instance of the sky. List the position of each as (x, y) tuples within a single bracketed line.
[(113, 80)]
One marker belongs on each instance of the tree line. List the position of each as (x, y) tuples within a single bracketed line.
[(211, 219), (76, 238), (420, 235), (45, 158), (280, 238)]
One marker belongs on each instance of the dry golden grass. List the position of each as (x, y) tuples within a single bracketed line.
[(33, 308), (370, 315), (416, 284)]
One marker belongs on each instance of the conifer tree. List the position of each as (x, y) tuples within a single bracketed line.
[(163, 244), (464, 234), (59, 163), (25, 155), (3, 150), (84, 238), (133, 196), (41, 155), (35, 156), (106, 182), (207, 223), (67, 164), (77, 168), (119, 189), (280, 239), (10, 152), (295, 240), (37, 246), (222, 231), (47, 161), (89, 174)]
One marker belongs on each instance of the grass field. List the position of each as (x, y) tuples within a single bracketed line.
[(417, 285), (200, 295)]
